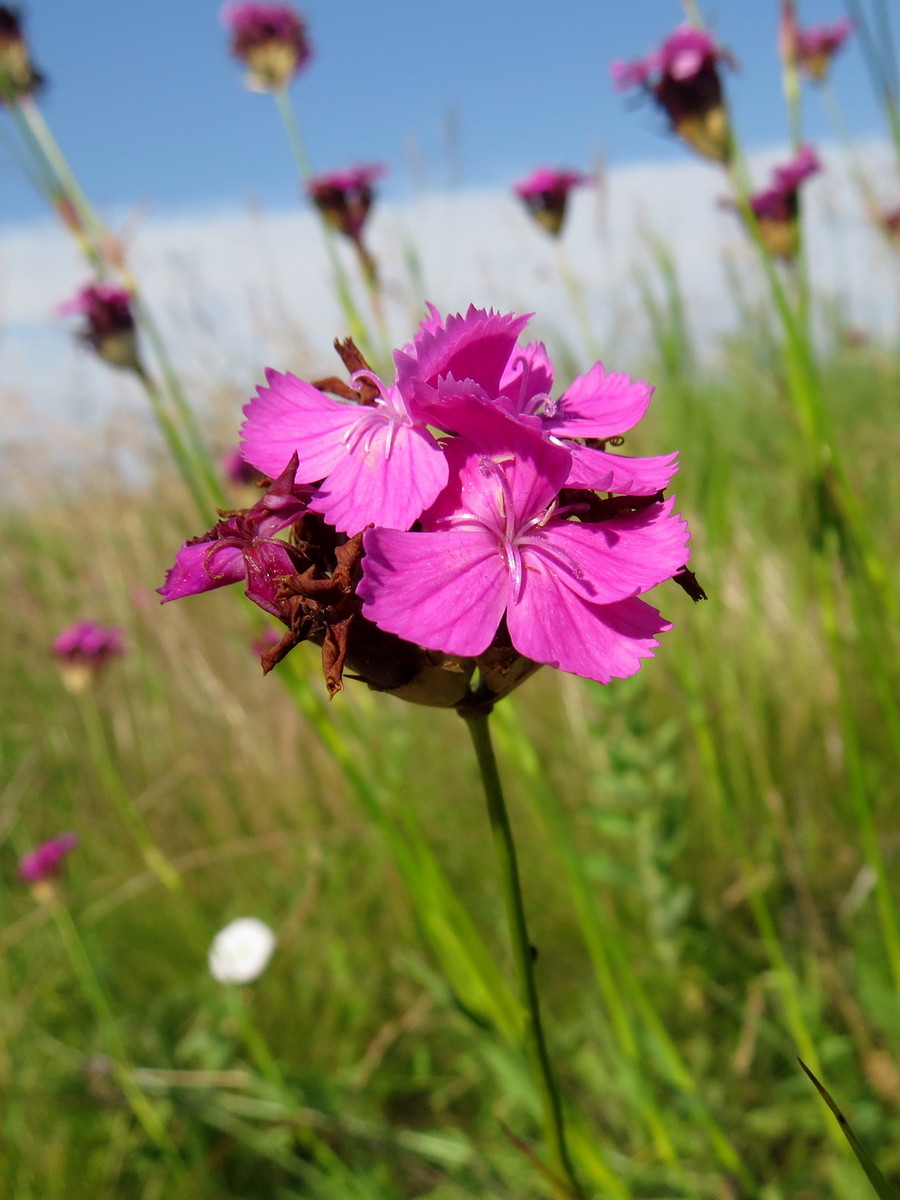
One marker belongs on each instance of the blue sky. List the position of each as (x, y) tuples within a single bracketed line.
[(151, 110)]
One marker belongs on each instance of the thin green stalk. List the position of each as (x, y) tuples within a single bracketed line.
[(859, 788), (115, 788), (175, 442), (355, 323), (504, 845), (612, 967), (142, 1107)]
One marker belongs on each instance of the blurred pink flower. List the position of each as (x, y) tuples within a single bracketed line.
[(109, 322), (815, 47), (18, 76), (46, 862), (271, 39), (777, 207), (237, 470), (683, 78), (84, 649), (546, 193), (345, 197)]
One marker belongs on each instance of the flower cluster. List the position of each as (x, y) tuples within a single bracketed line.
[(83, 650), (240, 952), (18, 76), (683, 78), (460, 517), (108, 323), (271, 39), (777, 207), (545, 194)]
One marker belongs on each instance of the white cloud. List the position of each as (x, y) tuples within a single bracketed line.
[(236, 291)]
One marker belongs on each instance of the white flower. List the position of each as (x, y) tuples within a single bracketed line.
[(241, 951)]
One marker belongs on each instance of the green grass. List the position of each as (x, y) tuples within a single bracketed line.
[(692, 853)]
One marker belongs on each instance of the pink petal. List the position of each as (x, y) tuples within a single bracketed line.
[(600, 404), (201, 568), (605, 561), (266, 564), (445, 590), (289, 417), (534, 467), (551, 625), (475, 346), (529, 365), (625, 475), (370, 486)]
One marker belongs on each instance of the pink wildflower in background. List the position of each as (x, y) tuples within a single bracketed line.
[(46, 862), (344, 198), (452, 519), (237, 470), (777, 207), (813, 49), (109, 323), (545, 194), (271, 39), (84, 649), (682, 76), (18, 76)]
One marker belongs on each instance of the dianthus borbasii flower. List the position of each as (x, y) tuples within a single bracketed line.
[(83, 651), (344, 198), (497, 546), (777, 207), (545, 194), (451, 521), (109, 326), (18, 76), (271, 39), (813, 49), (683, 78), (46, 861)]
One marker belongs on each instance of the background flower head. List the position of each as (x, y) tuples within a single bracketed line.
[(45, 863), (18, 76), (271, 39), (545, 194), (108, 327), (241, 951), (344, 198), (683, 78), (84, 649)]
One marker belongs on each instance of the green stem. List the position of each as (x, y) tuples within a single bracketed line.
[(144, 1110), (554, 1125), (115, 788), (355, 323)]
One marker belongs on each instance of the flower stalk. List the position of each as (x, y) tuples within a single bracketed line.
[(476, 719)]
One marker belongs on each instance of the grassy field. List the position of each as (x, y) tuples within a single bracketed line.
[(693, 842)]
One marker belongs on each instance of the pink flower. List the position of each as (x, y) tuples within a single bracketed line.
[(777, 207), (482, 348), (83, 651), (345, 197), (109, 323), (683, 78), (271, 39), (814, 48), (470, 491), (498, 547), (546, 194), (46, 862), (243, 546), (237, 470), (18, 76)]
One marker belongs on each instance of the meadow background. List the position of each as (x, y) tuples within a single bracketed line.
[(709, 849)]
